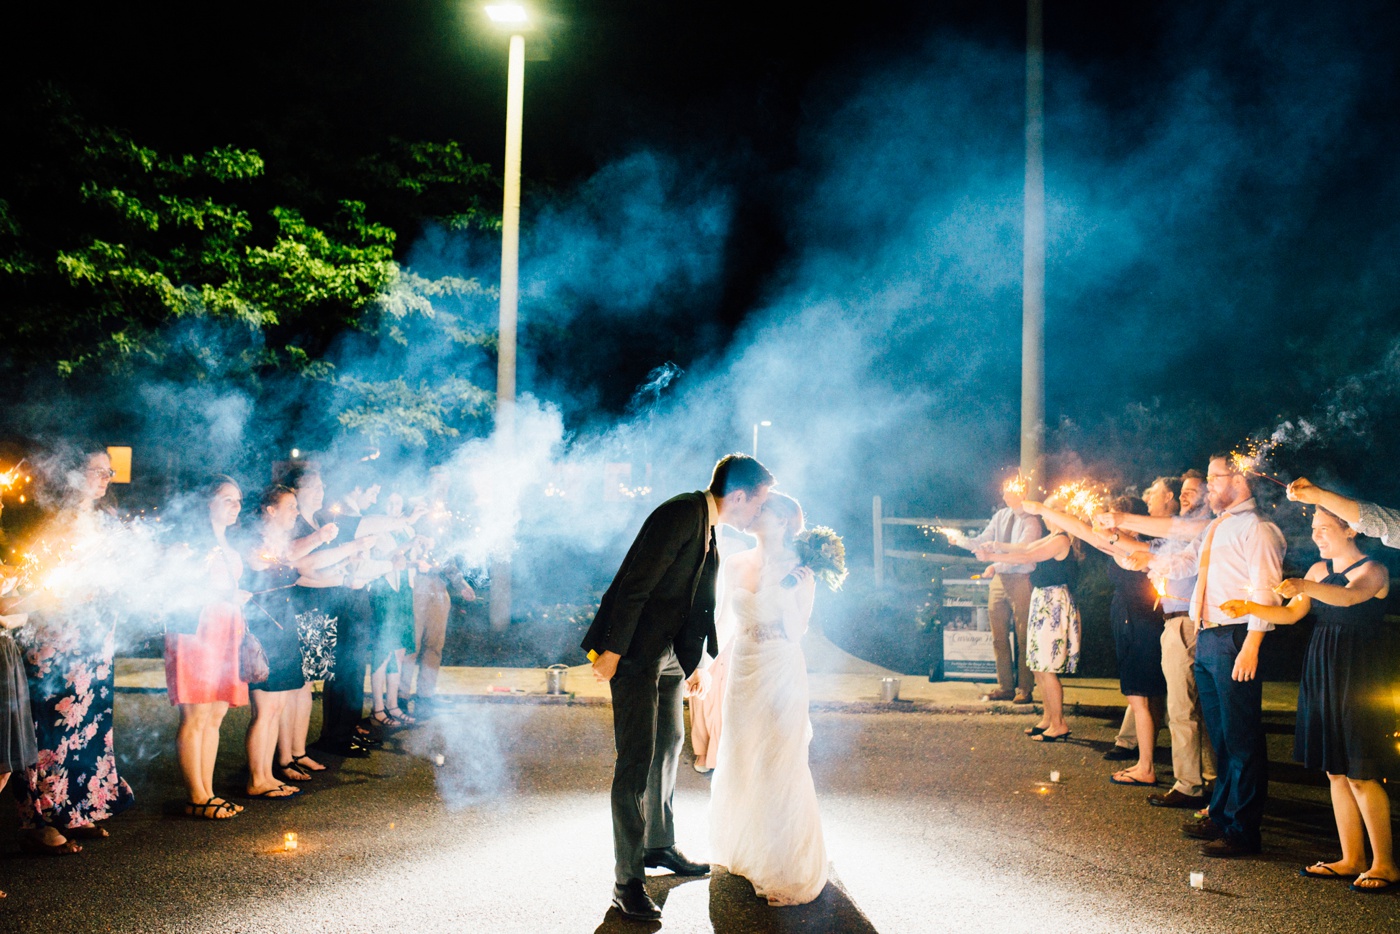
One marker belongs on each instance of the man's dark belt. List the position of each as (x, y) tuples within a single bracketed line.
[(1167, 616)]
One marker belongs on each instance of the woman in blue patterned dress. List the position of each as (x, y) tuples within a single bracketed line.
[(68, 657)]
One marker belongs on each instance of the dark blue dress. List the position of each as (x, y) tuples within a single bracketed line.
[(1137, 633), (1346, 714), (271, 615)]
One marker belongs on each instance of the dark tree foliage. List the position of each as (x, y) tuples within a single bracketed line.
[(117, 260)]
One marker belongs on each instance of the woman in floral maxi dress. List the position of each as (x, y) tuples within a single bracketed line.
[(68, 658)]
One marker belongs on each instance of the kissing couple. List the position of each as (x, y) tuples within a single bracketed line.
[(654, 627)]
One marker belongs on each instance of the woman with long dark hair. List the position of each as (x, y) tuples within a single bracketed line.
[(69, 647), (201, 665)]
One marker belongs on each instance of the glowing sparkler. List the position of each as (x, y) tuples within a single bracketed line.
[(1079, 498), (1254, 453), (1015, 485), (955, 536), (10, 478)]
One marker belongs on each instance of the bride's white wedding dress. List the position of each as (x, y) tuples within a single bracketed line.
[(764, 821)]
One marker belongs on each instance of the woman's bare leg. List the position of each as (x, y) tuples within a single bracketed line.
[(1054, 700), (301, 727), (189, 749), (1146, 728), (262, 739), (1374, 805)]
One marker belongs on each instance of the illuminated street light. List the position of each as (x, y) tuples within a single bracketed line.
[(514, 18), (511, 14), (764, 424)]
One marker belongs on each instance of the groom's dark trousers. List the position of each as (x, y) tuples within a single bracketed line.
[(649, 729), (658, 615)]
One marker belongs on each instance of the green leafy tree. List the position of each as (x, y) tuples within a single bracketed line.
[(112, 254)]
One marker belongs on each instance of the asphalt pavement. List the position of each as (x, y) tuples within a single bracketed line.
[(934, 822)]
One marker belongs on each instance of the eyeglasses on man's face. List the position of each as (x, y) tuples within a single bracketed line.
[(101, 473)]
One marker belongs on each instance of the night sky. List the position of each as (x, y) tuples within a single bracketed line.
[(1221, 176)]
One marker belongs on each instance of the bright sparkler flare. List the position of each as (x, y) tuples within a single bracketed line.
[(1079, 498), (1015, 485)]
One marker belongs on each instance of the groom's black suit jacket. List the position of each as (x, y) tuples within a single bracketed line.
[(664, 593)]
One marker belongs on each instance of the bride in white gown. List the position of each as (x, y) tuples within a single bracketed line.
[(764, 821)]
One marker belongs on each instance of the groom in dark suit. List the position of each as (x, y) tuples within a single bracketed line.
[(646, 641)]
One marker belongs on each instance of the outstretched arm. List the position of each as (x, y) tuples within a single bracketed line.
[(1156, 526), (1304, 490), (1371, 580), (1083, 531), (1048, 548)]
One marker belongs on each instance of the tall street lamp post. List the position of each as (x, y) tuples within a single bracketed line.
[(516, 19), (756, 426), (1033, 270)]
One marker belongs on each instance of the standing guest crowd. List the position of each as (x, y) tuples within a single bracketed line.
[(1197, 577), (304, 590), (253, 613)]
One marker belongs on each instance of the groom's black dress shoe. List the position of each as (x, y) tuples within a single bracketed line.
[(671, 858), (632, 900)]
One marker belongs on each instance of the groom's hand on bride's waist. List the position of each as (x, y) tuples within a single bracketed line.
[(605, 666)]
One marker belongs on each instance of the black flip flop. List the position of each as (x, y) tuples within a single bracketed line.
[(1328, 874), (268, 795), (1385, 885)]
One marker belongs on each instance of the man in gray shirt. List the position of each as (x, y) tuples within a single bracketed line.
[(1009, 596)]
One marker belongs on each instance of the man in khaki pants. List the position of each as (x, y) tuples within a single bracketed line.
[(1009, 596)]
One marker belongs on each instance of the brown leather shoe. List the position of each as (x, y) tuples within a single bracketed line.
[(998, 695), (1227, 847), (1023, 698), (1203, 829), (1175, 799)]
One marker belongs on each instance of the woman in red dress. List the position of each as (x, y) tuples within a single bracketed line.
[(201, 669)]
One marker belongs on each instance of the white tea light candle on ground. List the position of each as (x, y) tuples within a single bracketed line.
[(1198, 880), (1055, 777), (289, 840)]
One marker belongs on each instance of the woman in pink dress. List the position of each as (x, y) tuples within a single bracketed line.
[(201, 668)]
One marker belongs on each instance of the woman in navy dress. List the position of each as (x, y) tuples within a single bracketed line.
[(1346, 714)]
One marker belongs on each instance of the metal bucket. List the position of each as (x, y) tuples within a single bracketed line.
[(889, 690), (554, 678)]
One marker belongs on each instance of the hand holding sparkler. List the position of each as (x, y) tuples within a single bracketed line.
[(1236, 608), (1304, 490), (1138, 560), (1290, 588)]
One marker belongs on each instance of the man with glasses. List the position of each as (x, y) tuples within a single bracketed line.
[(1239, 557)]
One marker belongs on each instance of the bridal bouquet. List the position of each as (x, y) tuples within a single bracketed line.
[(822, 550)]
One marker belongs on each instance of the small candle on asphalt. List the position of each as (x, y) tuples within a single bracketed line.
[(1055, 777), (1198, 880)]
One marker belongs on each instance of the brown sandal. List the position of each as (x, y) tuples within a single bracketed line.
[(35, 848), (85, 832)]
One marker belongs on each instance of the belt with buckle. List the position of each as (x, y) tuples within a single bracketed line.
[(1175, 615)]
